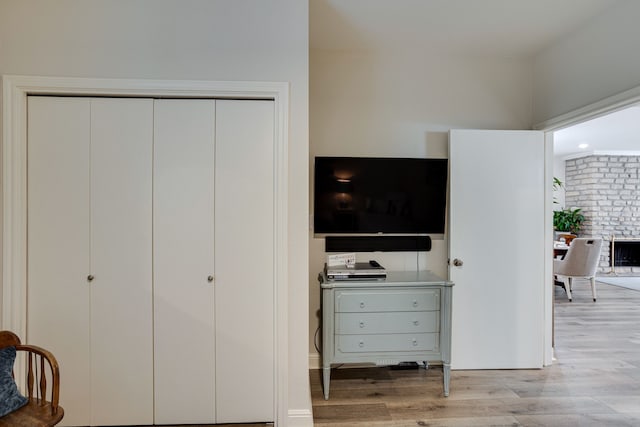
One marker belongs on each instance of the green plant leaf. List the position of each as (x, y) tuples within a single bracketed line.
[(568, 220)]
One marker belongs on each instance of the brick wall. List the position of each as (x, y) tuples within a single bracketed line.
[(607, 189)]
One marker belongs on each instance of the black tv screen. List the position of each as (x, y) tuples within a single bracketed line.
[(380, 195)]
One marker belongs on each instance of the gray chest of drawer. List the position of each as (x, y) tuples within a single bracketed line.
[(406, 317)]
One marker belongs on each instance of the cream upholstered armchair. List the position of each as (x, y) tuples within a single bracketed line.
[(581, 261)]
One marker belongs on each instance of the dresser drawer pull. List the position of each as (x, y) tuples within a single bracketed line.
[(361, 344), (415, 342), (362, 324), (415, 322), (361, 304), (415, 303)]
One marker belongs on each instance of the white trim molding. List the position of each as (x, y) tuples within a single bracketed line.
[(300, 418), (16, 89), (597, 109), (547, 343), (605, 106), (315, 361), (602, 153)]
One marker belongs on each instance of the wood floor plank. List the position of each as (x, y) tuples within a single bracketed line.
[(344, 413), (579, 420), (622, 404), (433, 422), (448, 408)]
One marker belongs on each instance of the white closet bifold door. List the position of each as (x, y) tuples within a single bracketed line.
[(121, 244), (150, 267), (89, 253), (213, 189), (244, 251), (183, 261), (58, 219)]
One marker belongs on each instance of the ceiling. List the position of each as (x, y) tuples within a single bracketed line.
[(506, 28), (519, 28), (619, 131)]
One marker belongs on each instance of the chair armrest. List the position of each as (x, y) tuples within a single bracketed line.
[(42, 355)]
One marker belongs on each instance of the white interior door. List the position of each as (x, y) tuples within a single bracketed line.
[(58, 224), (496, 230), (121, 242), (244, 253), (183, 261)]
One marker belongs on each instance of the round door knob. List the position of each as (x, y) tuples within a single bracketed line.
[(90, 277), (457, 262), (210, 279)]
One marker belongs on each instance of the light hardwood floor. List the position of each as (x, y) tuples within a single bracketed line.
[(595, 380)]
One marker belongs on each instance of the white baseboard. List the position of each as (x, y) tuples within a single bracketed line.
[(315, 361), (300, 418)]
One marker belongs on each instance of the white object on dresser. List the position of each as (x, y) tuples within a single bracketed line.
[(406, 317)]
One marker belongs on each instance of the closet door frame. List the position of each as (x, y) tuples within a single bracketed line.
[(16, 89)]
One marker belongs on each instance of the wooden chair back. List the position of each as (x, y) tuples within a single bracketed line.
[(42, 382)]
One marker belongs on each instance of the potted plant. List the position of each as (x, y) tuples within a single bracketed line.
[(569, 220), (566, 220)]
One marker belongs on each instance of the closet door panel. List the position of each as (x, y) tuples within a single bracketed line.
[(58, 242), (244, 248), (183, 261), (121, 245)]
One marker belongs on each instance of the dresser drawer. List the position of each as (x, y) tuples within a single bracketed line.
[(387, 342), (393, 300), (387, 323)]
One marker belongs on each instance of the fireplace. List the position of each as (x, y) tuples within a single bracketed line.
[(625, 253)]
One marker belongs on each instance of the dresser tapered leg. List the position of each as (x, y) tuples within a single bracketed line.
[(326, 377), (446, 369)]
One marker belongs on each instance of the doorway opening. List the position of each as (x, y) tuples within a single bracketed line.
[(576, 135), (598, 163)]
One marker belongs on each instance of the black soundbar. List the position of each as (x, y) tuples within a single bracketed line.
[(377, 243)]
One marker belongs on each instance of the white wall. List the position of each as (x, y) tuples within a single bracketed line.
[(189, 40), (597, 61), (403, 104)]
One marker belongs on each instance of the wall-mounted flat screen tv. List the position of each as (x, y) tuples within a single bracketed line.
[(357, 195)]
